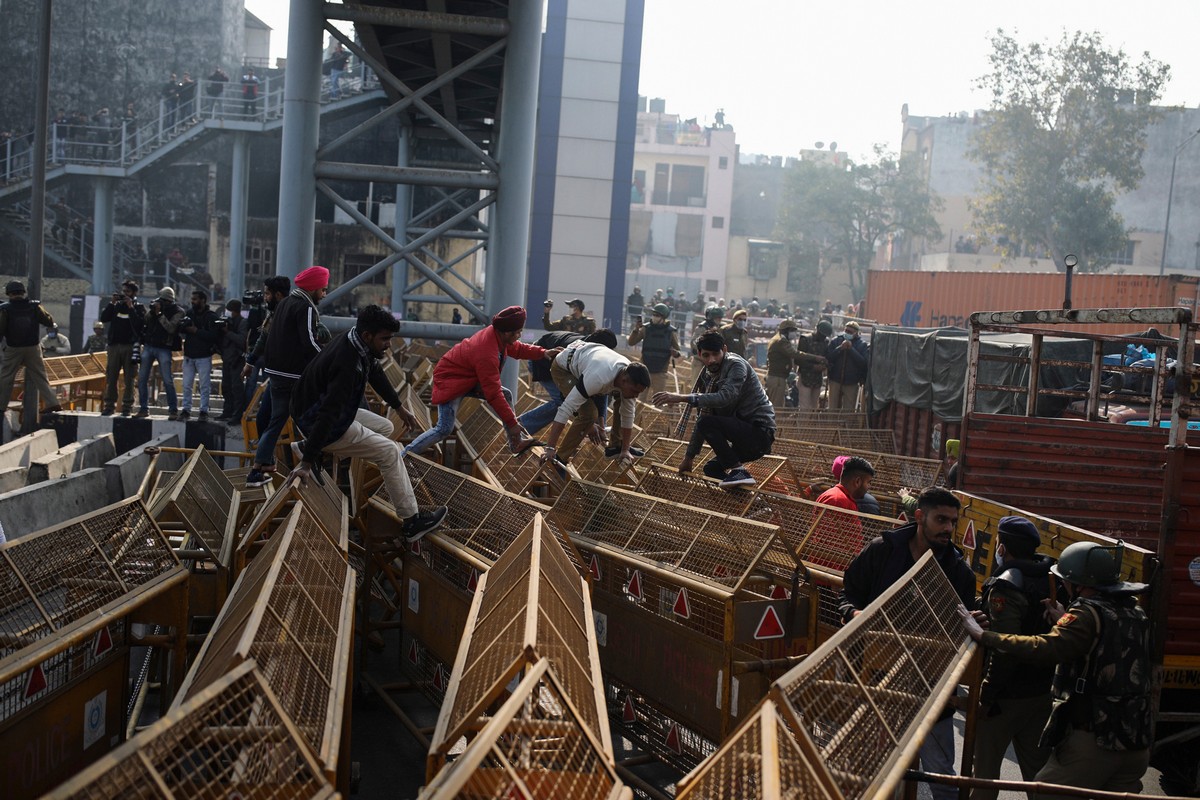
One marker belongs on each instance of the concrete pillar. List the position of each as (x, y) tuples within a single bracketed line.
[(102, 236), (403, 215), (238, 199), (301, 123), (508, 255)]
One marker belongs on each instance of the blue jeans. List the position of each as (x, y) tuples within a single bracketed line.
[(162, 355), (281, 409), (191, 368), (535, 419), (335, 84), (445, 423)]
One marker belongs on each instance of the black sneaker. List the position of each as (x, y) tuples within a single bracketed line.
[(141, 414), (202, 417), (714, 470), (421, 523), (183, 415), (737, 477), (172, 416), (613, 452), (108, 412), (257, 477)]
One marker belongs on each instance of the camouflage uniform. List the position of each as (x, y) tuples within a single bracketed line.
[(1100, 722), (1015, 697), (584, 325), (95, 343)]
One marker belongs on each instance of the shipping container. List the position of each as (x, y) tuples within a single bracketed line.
[(939, 299)]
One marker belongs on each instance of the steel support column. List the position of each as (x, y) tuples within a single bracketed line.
[(239, 195), (301, 124), (37, 190), (508, 256), (403, 214), (102, 235)]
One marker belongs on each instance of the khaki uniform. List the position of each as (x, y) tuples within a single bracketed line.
[(584, 325)]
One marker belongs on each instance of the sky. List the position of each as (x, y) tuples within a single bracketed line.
[(790, 73)]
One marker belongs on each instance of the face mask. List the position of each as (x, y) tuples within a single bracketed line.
[(792, 336), (999, 562), (741, 324)]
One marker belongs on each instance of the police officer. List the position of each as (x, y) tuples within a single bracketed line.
[(735, 335), (660, 343), (781, 357), (1099, 726), (1015, 697), (19, 321), (713, 316), (575, 322)]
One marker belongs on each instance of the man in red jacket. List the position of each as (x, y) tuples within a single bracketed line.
[(472, 367)]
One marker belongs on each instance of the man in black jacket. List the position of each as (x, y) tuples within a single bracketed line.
[(883, 562), (20, 318), (126, 319), (291, 344), (325, 407), (233, 357), (200, 341)]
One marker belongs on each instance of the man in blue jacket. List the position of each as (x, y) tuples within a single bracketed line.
[(325, 404), (847, 363)]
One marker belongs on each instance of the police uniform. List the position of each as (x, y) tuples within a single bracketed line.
[(735, 337), (659, 344), (1015, 697), (1099, 725), (581, 324), (20, 319), (781, 357)]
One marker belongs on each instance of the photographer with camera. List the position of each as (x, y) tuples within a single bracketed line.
[(233, 358), (126, 320), (160, 336), (202, 337)]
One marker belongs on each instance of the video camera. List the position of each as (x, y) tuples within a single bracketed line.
[(253, 299)]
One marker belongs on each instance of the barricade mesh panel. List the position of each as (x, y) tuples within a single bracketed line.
[(230, 742), (861, 695), (812, 463), (59, 670), (199, 496), (287, 612), (549, 604), (762, 753), (788, 418), (642, 719), (879, 440), (536, 747), (59, 575)]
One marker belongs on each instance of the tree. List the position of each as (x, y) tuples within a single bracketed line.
[(842, 214), (1066, 130)]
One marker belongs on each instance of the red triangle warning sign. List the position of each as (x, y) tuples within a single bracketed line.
[(36, 681), (682, 607), (628, 714), (415, 548), (770, 626), (634, 587), (903, 517), (414, 655), (720, 571), (473, 580), (594, 568), (673, 739), (439, 679), (781, 593), (969, 536), (102, 643)]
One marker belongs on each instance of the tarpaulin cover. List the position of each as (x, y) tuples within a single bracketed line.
[(926, 368)]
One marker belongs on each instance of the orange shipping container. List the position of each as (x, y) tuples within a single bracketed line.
[(938, 299)]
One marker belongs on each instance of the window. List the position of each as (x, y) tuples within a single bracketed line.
[(356, 264), (710, 286), (723, 162), (260, 262), (637, 194), (763, 261), (687, 186), (718, 222), (662, 184), (1124, 255), (796, 277)]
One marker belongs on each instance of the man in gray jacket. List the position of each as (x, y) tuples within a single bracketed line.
[(736, 419)]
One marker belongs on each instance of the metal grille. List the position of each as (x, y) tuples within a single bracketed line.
[(821, 418), (291, 611), (325, 503), (597, 469), (230, 741), (199, 497), (644, 721), (861, 695), (56, 577), (483, 435), (533, 605), (878, 440), (413, 402), (59, 670), (760, 760), (813, 463), (536, 746), (707, 544)]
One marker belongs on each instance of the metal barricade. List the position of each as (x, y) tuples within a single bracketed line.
[(231, 740), (72, 594), (482, 439), (532, 605), (694, 607), (820, 417), (859, 706), (291, 611)]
